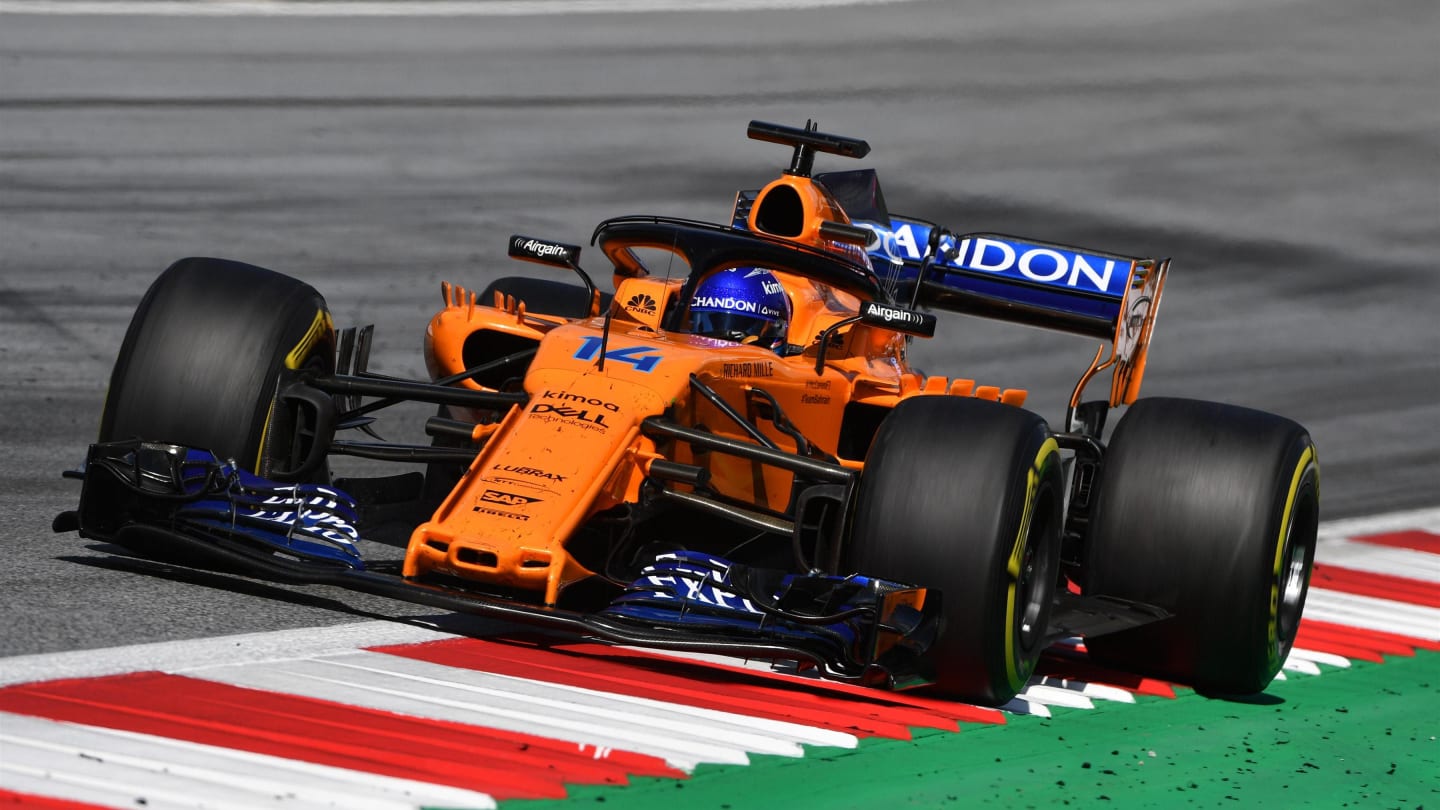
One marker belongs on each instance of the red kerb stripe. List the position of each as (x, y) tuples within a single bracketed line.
[(852, 709), (10, 798), (1380, 586), (502, 764), (1415, 540)]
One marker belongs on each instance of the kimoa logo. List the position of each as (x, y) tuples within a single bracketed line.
[(565, 396), (642, 303)]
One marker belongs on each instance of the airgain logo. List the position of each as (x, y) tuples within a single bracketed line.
[(641, 303)]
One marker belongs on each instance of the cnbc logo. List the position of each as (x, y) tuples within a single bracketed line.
[(641, 303)]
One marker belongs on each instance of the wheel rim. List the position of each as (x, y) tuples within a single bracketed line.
[(1294, 571), (1031, 586)]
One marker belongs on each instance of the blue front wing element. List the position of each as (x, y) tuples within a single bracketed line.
[(694, 590), (193, 491)]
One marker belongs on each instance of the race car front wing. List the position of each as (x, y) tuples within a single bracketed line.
[(186, 507)]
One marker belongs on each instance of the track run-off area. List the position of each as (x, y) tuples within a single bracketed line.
[(393, 715)]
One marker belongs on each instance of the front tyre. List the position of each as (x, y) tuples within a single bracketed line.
[(965, 497), (202, 358), (1211, 512)]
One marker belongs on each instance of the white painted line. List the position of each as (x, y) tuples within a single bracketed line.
[(185, 774), (419, 8), (170, 656), (1369, 613)]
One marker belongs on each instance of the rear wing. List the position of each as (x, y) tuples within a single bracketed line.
[(1090, 293)]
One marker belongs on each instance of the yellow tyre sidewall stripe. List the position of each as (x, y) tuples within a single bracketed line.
[(319, 327), (1306, 461), (1049, 451)]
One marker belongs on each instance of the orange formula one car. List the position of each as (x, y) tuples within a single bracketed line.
[(731, 453)]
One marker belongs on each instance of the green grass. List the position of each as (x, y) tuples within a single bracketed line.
[(1362, 737)]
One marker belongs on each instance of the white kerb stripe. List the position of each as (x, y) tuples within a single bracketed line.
[(1369, 613), (186, 774), (1373, 559)]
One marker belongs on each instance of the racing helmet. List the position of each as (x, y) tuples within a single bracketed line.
[(743, 304)]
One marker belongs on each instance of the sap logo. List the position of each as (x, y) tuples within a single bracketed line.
[(530, 471), (578, 414), (1040, 263), (505, 498), (643, 358)]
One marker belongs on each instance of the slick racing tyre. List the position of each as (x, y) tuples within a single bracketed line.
[(1209, 511), (200, 363), (965, 497), (544, 296)]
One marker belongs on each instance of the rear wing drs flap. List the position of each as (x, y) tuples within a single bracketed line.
[(1090, 293)]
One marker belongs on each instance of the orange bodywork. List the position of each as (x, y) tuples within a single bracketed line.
[(576, 448)]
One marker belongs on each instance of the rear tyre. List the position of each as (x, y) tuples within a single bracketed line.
[(1211, 512), (203, 355), (965, 496)]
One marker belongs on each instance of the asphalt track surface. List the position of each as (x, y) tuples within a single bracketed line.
[(1287, 157)]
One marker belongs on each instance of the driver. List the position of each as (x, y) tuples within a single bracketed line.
[(742, 304)]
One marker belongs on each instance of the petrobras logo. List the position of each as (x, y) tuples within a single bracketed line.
[(1046, 264)]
